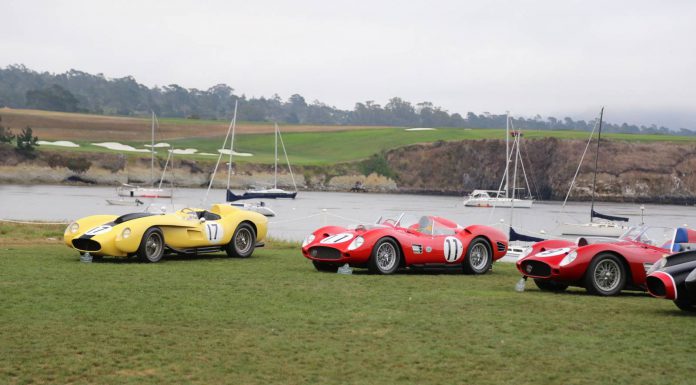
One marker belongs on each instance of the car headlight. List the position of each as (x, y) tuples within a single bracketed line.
[(73, 227), (357, 242), (657, 266), (569, 258), (526, 252), (308, 239), (126, 233)]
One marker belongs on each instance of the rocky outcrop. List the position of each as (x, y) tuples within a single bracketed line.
[(628, 171)]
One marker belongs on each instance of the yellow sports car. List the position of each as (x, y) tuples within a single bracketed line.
[(187, 231)]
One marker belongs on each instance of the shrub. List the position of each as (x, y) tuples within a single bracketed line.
[(377, 163)]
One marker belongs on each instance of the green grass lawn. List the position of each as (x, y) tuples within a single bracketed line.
[(272, 319), (321, 148)]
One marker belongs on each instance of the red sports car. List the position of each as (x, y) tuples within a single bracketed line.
[(405, 241), (603, 266)]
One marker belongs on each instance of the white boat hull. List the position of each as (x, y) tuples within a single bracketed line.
[(143, 192), (124, 202), (612, 230), (498, 202)]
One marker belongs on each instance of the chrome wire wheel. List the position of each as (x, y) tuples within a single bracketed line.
[(479, 256), (607, 275), (386, 256), (243, 240), (153, 246)]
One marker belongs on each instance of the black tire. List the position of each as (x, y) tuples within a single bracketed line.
[(606, 275), (685, 305), (478, 258), (242, 243), (326, 267), (151, 247), (546, 285), (385, 258)]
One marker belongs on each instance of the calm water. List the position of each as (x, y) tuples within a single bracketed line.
[(296, 218)]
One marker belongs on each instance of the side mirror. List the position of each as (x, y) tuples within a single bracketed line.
[(202, 220)]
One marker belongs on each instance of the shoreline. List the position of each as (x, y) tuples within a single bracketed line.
[(687, 202)]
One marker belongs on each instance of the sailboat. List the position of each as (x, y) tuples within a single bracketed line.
[(268, 193), (504, 197), (259, 207), (133, 191), (601, 225)]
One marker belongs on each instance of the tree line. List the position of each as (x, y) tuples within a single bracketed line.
[(78, 91)]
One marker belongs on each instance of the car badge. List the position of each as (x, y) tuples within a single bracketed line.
[(529, 269), (428, 249)]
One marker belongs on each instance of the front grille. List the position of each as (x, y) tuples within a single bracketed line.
[(536, 268), (501, 246), (321, 252), (86, 244), (655, 286)]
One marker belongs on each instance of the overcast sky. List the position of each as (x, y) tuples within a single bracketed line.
[(551, 57)]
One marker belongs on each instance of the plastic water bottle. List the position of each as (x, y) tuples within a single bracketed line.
[(345, 269), (519, 287)]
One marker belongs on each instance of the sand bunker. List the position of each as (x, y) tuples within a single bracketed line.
[(158, 145), (60, 143), (421, 129), (119, 147), (187, 151), (225, 151), (207, 153)]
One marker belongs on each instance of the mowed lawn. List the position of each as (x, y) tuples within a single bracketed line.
[(271, 319)]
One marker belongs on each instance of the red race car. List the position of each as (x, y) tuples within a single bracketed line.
[(603, 266), (405, 241)]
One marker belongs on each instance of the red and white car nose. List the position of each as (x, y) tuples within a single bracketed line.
[(661, 285)]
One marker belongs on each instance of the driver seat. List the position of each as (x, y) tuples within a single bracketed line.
[(207, 215), (425, 225)]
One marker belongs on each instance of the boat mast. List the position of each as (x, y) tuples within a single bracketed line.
[(282, 144), (275, 171), (507, 153), (516, 149), (596, 160), (152, 152), (229, 165)]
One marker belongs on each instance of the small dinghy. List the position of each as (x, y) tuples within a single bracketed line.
[(124, 202)]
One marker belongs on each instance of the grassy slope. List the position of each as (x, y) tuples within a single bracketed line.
[(273, 319), (311, 148), (306, 144)]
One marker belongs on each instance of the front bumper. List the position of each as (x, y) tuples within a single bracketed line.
[(549, 268), (323, 253), (535, 268)]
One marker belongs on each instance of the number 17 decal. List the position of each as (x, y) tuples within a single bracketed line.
[(214, 232)]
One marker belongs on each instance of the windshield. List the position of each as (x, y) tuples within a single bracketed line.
[(423, 224), (397, 220), (655, 236)]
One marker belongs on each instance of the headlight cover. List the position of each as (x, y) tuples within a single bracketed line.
[(126, 233), (526, 252), (73, 227), (657, 266), (308, 239), (569, 258), (357, 242)]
